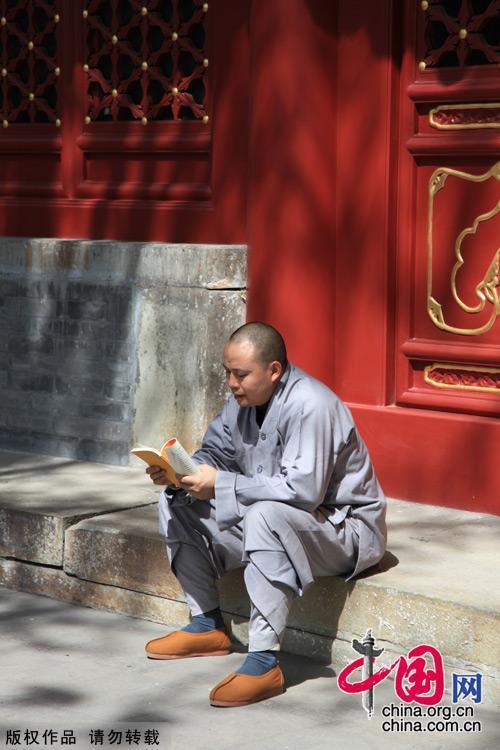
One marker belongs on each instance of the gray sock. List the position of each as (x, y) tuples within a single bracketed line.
[(205, 622), (257, 663)]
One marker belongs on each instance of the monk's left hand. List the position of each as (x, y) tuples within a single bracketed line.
[(200, 485)]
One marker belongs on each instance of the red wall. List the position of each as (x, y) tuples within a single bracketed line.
[(338, 230), (291, 201)]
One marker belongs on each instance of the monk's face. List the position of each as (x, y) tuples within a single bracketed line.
[(251, 382)]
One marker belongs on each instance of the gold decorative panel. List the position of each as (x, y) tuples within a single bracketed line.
[(463, 377), (485, 291), (465, 116)]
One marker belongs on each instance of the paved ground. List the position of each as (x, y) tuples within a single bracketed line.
[(65, 667)]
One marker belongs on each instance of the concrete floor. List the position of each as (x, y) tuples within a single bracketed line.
[(69, 667)]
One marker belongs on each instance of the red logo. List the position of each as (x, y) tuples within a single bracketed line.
[(419, 676)]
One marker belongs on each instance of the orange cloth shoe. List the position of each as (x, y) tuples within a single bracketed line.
[(242, 689), (182, 645)]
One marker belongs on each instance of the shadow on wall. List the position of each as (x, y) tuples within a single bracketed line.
[(68, 359), (105, 344)]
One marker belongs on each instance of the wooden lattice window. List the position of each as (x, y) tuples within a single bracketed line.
[(145, 60), (30, 71), (461, 33)]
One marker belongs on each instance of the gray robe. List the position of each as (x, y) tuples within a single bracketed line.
[(307, 454)]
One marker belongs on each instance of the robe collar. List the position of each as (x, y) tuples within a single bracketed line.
[(277, 399)]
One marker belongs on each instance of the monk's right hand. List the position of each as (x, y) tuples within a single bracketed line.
[(157, 475)]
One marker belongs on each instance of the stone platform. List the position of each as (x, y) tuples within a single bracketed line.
[(88, 534)]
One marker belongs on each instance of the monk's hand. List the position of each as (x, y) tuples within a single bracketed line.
[(200, 485), (157, 475)]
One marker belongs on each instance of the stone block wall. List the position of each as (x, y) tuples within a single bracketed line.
[(105, 344), (68, 366)]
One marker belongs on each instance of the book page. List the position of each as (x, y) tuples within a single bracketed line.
[(152, 458)]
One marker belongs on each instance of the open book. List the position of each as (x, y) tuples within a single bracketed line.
[(172, 458)]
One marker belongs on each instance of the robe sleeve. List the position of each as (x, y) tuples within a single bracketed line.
[(217, 447), (305, 469), (216, 450)]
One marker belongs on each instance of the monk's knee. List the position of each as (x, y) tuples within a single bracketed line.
[(263, 513)]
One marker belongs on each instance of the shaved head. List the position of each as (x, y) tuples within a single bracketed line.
[(267, 342)]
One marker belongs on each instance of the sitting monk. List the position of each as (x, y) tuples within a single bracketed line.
[(286, 490)]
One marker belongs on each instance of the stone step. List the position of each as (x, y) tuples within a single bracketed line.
[(437, 584), (41, 496), (123, 549)]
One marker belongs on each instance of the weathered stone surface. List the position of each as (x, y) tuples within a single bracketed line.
[(426, 597), (40, 496), (123, 549), (210, 266), (65, 339), (333, 609), (400, 608), (104, 344), (59, 585), (336, 651), (180, 382)]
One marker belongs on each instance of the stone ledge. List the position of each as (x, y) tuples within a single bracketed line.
[(334, 649), (123, 549), (420, 599), (41, 496), (55, 583), (209, 266), (100, 524)]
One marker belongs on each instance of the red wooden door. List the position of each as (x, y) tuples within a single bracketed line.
[(448, 257), (382, 262)]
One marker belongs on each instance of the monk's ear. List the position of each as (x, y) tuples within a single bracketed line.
[(276, 370)]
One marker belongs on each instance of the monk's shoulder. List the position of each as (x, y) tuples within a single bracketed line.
[(309, 391)]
